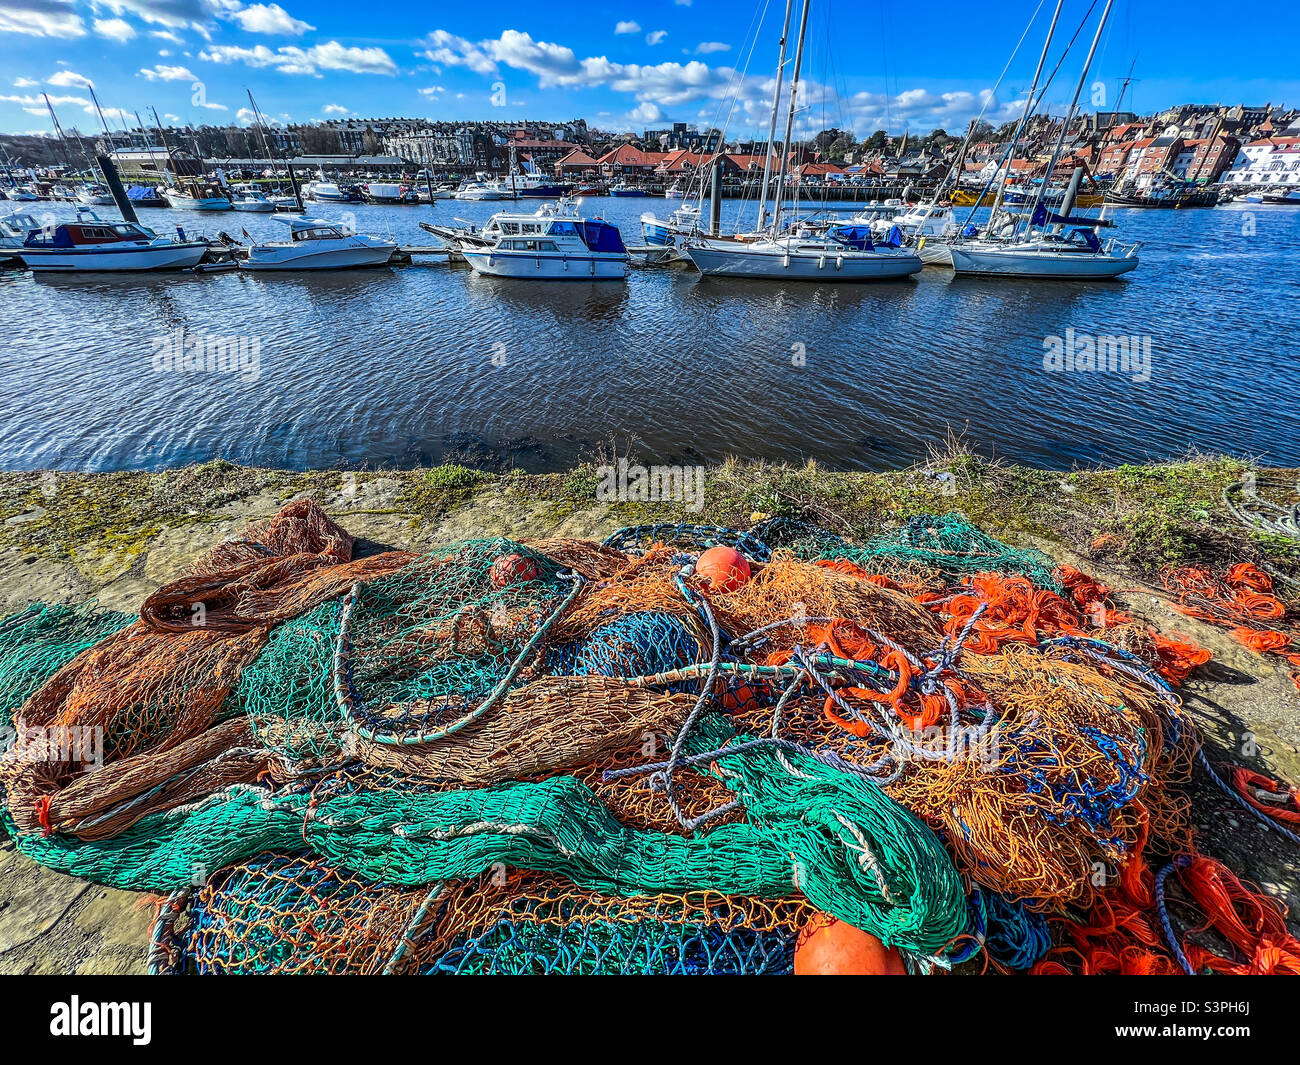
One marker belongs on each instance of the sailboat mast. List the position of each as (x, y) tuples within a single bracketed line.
[(1069, 115), (261, 128), (776, 106), (779, 197), (1024, 118)]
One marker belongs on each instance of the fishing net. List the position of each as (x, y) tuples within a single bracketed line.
[(561, 756), (37, 642), (289, 914)]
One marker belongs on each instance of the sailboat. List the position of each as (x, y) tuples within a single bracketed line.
[(803, 252), (1038, 246)]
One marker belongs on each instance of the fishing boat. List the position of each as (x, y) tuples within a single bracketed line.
[(317, 244), (197, 196), (23, 194), (554, 243), (1283, 197), (674, 231), (802, 252), (92, 244), (675, 191), (624, 189), (1168, 191)]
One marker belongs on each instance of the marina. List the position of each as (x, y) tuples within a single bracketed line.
[(583, 360)]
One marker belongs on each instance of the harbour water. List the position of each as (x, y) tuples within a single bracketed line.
[(430, 363)]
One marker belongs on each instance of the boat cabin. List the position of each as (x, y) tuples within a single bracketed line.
[(80, 234)]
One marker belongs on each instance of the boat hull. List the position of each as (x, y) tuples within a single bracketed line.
[(728, 262), (1049, 266), (107, 260), (629, 193), (191, 203), (545, 267), (335, 259), (256, 207)]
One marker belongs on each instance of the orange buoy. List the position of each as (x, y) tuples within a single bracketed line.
[(513, 569), (829, 947), (723, 569)]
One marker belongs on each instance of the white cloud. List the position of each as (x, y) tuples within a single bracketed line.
[(115, 29), (655, 36), (246, 116), (167, 35), (432, 90), (646, 112), (161, 72), (270, 19), (674, 85), (172, 118), (682, 3), (213, 106), (67, 79), (628, 27), (335, 109), (294, 60), (25, 83), (41, 18), (709, 47)]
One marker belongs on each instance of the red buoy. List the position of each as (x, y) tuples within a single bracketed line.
[(513, 569), (828, 947), (723, 569)]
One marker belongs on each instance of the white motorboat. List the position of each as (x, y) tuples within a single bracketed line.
[(92, 244), (440, 192), (23, 194), (389, 193), (13, 233), (330, 192), (317, 244), (484, 187), (927, 228), (94, 196), (554, 243), (15, 227), (1078, 255), (249, 199), (804, 256)]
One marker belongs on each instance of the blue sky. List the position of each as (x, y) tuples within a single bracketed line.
[(623, 65)]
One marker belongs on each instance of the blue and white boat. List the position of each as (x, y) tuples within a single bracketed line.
[(554, 244), (674, 231)]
